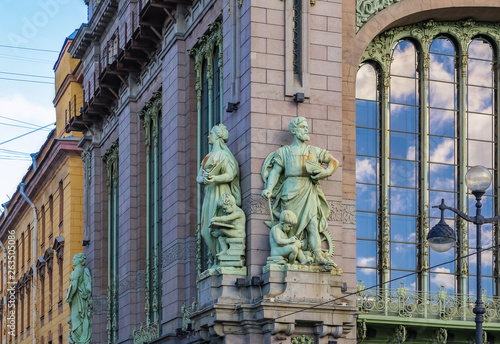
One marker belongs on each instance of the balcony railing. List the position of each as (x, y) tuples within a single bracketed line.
[(439, 305)]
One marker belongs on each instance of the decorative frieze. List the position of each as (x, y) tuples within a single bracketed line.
[(180, 252), (366, 9)]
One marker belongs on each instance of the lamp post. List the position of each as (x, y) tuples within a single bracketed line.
[(442, 237)]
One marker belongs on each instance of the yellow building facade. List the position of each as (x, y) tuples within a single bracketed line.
[(41, 228)]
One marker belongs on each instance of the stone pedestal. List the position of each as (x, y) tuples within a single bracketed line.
[(286, 304), (235, 256)]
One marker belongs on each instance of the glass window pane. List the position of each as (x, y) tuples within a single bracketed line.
[(404, 118), (442, 68), (435, 198), (367, 114), (366, 83), (480, 49), (403, 201), (368, 276), (366, 225), (403, 256), (444, 258), (480, 153), (366, 253), (441, 277), (404, 59), (480, 127), (480, 73), (403, 228), (367, 170), (442, 95), (403, 90), (442, 150), (480, 99), (442, 122), (442, 45), (403, 146), (442, 177), (403, 173), (408, 282), (367, 142), (367, 197)]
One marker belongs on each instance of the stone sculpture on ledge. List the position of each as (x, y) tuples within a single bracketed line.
[(79, 298), (291, 174), (286, 249), (228, 226), (219, 173)]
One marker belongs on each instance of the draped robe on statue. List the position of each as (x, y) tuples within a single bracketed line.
[(295, 190), (218, 163)]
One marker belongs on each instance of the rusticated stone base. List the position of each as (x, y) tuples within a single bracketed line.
[(284, 305)]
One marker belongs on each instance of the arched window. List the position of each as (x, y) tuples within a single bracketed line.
[(426, 112)]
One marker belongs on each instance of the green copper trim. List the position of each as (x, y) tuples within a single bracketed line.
[(111, 161), (151, 116), (441, 307), (366, 9)]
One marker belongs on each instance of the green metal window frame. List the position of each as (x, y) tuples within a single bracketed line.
[(151, 116), (111, 162), (400, 302), (208, 57)]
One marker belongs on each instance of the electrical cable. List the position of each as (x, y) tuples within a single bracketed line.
[(386, 282), (33, 49), (33, 81), (30, 132), (34, 76), (18, 126), (16, 120)]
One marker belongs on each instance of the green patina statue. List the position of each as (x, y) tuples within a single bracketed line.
[(219, 173), (285, 249), (79, 298), (228, 222), (291, 174)]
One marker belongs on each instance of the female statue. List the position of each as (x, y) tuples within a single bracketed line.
[(79, 298), (219, 173)]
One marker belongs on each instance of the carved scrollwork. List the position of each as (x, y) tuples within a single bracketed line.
[(366, 9)]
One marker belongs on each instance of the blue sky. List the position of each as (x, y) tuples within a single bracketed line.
[(38, 24)]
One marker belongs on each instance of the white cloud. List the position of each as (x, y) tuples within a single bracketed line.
[(365, 170), (440, 278), (365, 261), (366, 83), (443, 153)]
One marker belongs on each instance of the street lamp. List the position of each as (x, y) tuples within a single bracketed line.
[(441, 237)]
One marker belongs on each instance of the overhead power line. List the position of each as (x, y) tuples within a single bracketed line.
[(33, 81), (16, 120), (33, 49), (30, 132), (34, 76), (18, 126)]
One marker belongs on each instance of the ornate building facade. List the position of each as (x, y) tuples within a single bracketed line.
[(402, 93), (41, 228)]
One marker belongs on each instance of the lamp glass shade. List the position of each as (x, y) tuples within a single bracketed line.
[(478, 178), (441, 237)]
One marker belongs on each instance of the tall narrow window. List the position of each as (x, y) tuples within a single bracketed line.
[(29, 253), (368, 152), (23, 252), (61, 206), (51, 214), (151, 116), (403, 163), (42, 234), (111, 161), (443, 152), (481, 133)]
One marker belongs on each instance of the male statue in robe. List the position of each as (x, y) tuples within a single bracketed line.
[(291, 174)]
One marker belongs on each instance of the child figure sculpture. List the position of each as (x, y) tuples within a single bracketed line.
[(283, 246)]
